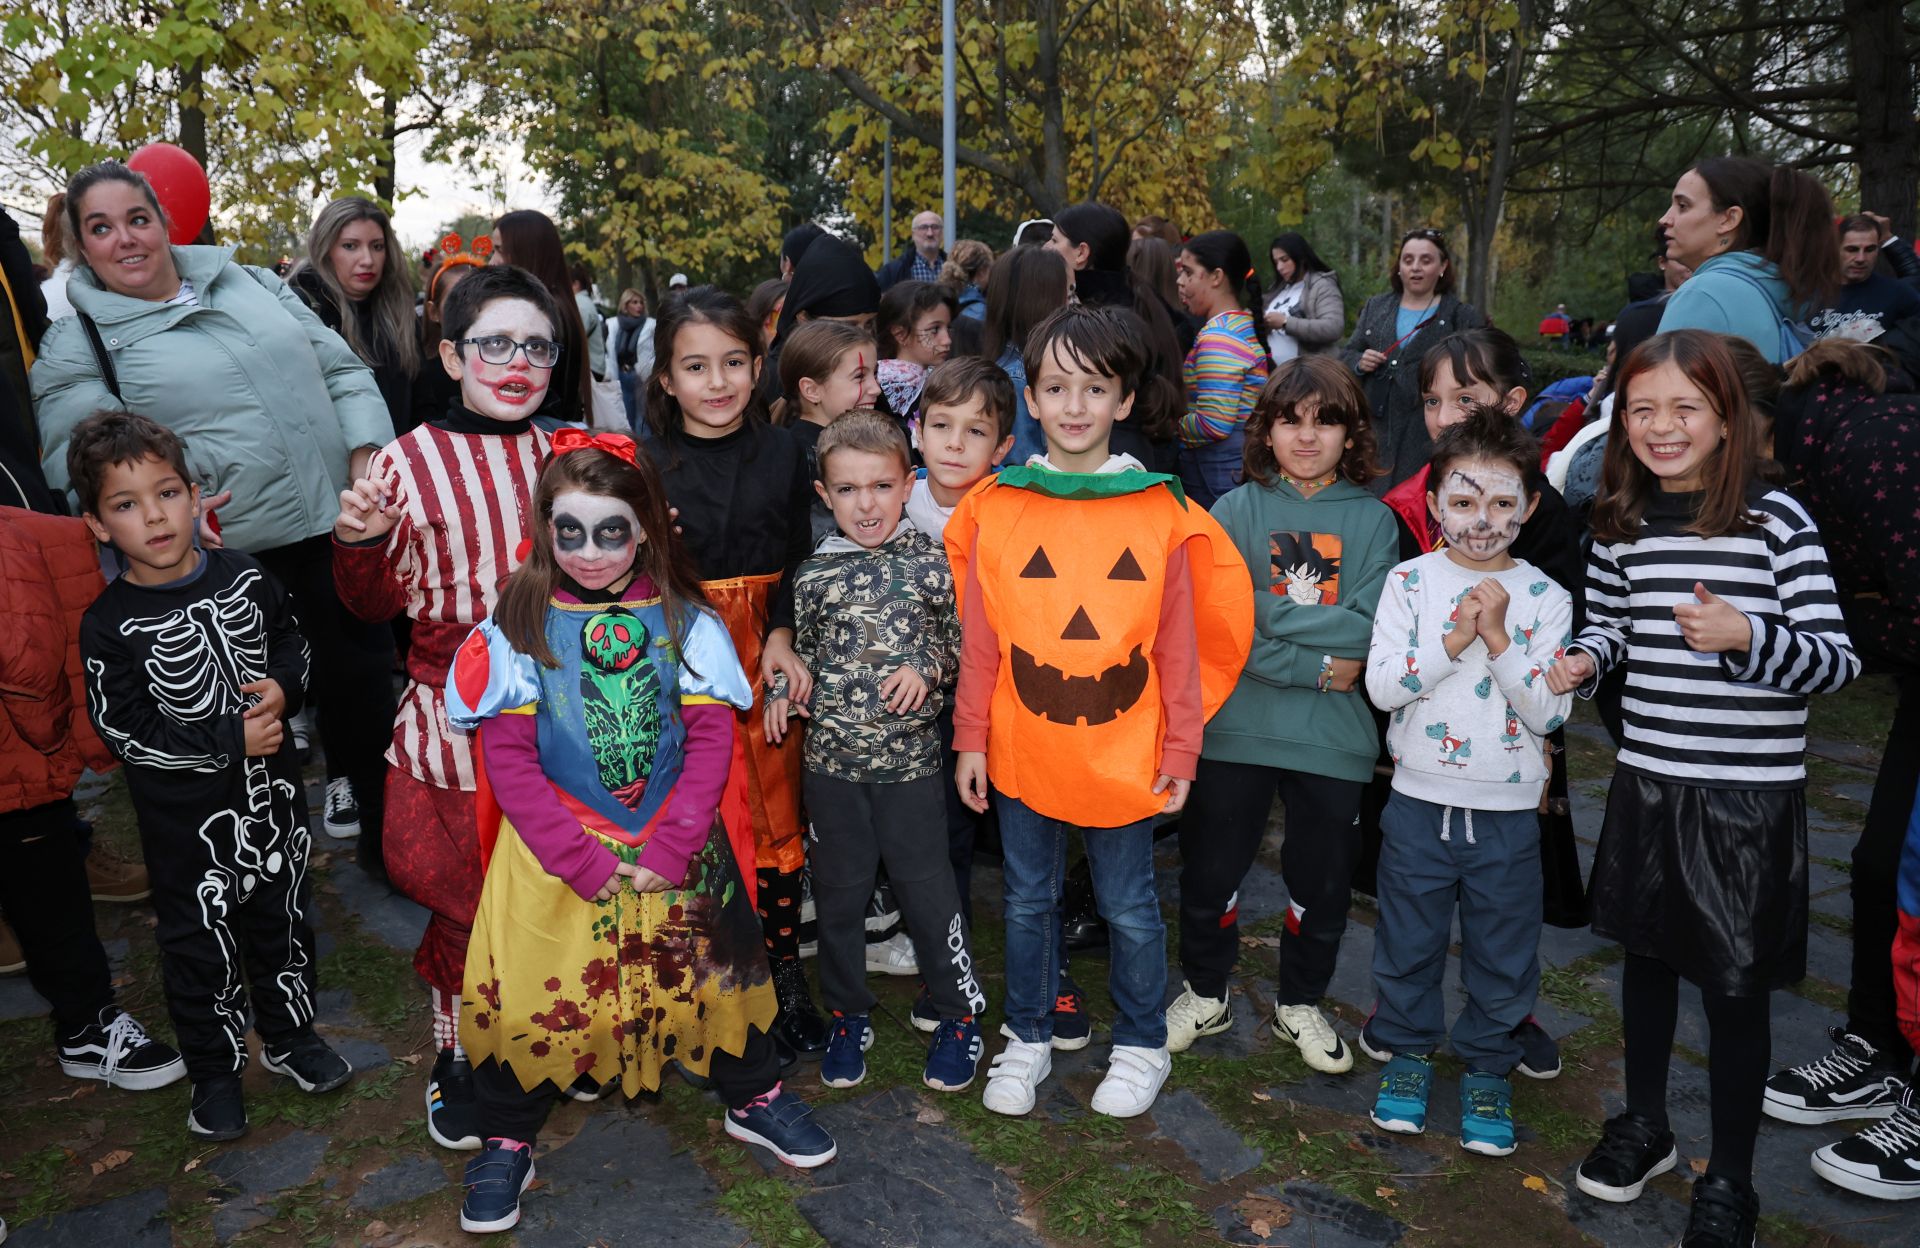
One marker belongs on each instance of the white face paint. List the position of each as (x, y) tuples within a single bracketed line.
[(1480, 507), (595, 538)]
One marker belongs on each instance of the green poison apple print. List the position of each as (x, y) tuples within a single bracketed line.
[(620, 694)]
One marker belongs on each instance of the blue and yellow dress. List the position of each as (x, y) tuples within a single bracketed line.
[(558, 986)]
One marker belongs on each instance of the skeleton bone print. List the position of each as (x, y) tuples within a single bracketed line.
[(227, 833)]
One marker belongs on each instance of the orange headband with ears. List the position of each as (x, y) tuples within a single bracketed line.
[(458, 253)]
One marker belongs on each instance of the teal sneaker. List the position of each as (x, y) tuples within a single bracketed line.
[(1486, 1114), (1402, 1103)]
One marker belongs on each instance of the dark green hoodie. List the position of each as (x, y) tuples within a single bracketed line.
[(1318, 565)]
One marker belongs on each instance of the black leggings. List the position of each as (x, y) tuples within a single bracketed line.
[(509, 1111), (1739, 1055), (44, 895)]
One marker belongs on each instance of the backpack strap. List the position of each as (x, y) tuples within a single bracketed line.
[(101, 356)]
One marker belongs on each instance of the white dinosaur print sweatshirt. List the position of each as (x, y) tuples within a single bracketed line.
[(1467, 732)]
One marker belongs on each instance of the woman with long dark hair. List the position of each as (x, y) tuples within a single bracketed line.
[(1226, 368), (531, 241), (1303, 313)]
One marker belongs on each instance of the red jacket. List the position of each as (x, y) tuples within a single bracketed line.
[(49, 575)]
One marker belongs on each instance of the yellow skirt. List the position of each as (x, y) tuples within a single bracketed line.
[(557, 987)]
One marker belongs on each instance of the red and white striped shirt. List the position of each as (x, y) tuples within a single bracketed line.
[(463, 502)]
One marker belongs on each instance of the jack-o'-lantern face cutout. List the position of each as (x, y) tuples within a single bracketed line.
[(1057, 691)]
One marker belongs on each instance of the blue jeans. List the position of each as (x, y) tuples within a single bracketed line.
[(1211, 471), (1035, 866), (633, 393)]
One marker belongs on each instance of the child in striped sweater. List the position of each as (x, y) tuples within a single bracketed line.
[(1227, 368), (1714, 591)]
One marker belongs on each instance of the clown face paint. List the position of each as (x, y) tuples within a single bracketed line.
[(595, 538), (1480, 505)]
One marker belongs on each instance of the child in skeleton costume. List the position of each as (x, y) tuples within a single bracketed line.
[(432, 531), (743, 491), (193, 660), (615, 933)]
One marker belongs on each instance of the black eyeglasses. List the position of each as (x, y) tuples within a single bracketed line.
[(500, 349)]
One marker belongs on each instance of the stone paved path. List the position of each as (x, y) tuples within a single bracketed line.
[(917, 1169)]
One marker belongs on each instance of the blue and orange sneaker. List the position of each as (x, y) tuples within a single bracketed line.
[(845, 1064), (954, 1056)]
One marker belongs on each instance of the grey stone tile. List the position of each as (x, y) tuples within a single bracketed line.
[(138, 1220), (1215, 1148), (384, 914), (251, 1177), (404, 1178), (901, 1183), (620, 1180), (365, 1056)]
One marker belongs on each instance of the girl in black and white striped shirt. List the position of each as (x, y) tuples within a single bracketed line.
[(1714, 592)]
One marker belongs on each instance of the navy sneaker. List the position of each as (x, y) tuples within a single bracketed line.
[(453, 1109), (783, 1123), (494, 1181), (1405, 1085), (1539, 1052), (306, 1059), (955, 1055), (1486, 1114), (845, 1064), (924, 1017)]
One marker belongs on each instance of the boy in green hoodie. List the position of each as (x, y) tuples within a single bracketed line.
[(1298, 721)]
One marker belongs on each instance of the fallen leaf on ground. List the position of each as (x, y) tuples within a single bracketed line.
[(85, 1089), (1260, 1212), (929, 1116), (112, 1161), (1699, 1165), (1534, 1183), (410, 1059), (1385, 1193), (1262, 1097), (193, 1163)]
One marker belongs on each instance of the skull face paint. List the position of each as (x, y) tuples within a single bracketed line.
[(1480, 506), (595, 538)]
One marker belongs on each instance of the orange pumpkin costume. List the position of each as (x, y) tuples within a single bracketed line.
[(1071, 571)]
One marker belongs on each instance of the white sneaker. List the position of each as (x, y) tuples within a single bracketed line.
[(1014, 1075), (342, 819), (1134, 1078), (301, 726), (1192, 1016), (1320, 1047), (892, 956)]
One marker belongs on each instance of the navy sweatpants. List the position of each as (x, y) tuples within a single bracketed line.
[(1487, 863)]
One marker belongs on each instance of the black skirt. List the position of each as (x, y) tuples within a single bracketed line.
[(1713, 882)]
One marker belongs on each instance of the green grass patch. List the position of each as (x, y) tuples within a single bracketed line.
[(385, 989), (1832, 922), (1858, 714), (1820, 992)]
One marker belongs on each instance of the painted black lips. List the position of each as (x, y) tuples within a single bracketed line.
[(1053, 695)]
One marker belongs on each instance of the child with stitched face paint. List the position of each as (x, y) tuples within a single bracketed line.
[(1462, 639), (1104, 618), (605, 691), (876, 625), (743, 489), (1318, 545), (1715, 594), (408, 539)]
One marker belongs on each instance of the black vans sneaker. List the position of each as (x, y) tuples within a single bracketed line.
[(116, 1050), (1882, 1161), (219, 1112), (1852, 1081), (306, 1059), (453, 1110), (1632, 1150), (1724, 1213)]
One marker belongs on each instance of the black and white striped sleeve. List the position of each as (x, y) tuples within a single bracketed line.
[(1805, 648), (1609, 615)]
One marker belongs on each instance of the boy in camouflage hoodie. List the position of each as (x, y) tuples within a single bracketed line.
[(876, 626)]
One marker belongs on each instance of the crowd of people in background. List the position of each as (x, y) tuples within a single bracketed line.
[(723, 626)]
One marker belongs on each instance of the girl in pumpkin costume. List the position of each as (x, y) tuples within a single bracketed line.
[(744, 490), (1103, 619), (615, 931)]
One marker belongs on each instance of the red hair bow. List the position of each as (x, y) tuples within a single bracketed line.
[(618, 445)]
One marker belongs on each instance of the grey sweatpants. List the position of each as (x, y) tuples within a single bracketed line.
[(1487, 862), (857, 827)]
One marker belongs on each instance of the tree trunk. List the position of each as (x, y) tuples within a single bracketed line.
[(386, 177), (1887, 142), (1483, 225), (1053, 119), (193, 132)]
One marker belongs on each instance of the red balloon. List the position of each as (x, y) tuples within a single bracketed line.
[(181, 185)]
